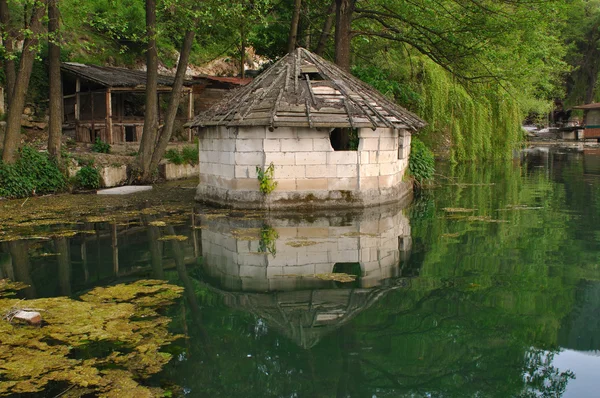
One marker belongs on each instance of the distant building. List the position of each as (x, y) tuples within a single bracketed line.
[(591, 120), (333, 140), (89, 91)]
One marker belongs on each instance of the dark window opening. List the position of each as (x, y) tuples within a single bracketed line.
[(130, 134), (315, 77), (400, 148), (344, 139), (93, 135), (350, 269)]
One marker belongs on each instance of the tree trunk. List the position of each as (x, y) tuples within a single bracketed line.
[(326, 32), (150, 130), (343, 21), (592, 78), (243, 52), (169, 124), (9, 63), (56, 116), (294, 26), (17, 102)]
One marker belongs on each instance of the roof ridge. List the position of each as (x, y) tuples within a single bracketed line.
[(345, 101)]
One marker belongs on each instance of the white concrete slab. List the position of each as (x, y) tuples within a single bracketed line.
[(125, 190)]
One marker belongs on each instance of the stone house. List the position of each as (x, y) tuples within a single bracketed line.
[(332, 139)]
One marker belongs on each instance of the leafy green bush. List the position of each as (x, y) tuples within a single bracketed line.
[(421, 163), (100, 146), (88, 177), (188, 154), (174, 156), (32, 174)]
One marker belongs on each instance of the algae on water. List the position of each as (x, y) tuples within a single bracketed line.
[(104, 344)]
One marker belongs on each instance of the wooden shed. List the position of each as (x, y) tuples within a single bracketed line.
[(332, 140), (591, 120), (90, 90)]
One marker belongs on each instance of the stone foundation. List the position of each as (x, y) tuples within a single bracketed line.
[(309, 173)]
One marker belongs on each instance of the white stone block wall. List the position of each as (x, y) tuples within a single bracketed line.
[(238, 264), (304, 162)]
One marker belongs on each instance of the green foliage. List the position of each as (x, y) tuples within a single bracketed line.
[(187, 155), (88, 177), (421, 163), (32, 174), (480, 121), (268, 240), (395, 89), (100, 146), (265, 177)]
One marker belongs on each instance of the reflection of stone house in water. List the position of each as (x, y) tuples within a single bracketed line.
[(333, 140), (284, 288), (89, 91)]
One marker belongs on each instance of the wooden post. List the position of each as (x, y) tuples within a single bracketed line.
[(77, 99), (115, 249), (93, 124), (121, 110), (190, 112), (2, 111), (109, 126)]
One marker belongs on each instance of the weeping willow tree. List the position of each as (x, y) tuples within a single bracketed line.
[(475, 68), (480, 122), (476, 121)]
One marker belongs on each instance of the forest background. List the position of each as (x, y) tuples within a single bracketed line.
[(473, 69)]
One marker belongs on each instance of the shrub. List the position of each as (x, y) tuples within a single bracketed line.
[(421, 162), (188, 154), (88, 177), (100, 146), (173, 156), (32, 174)]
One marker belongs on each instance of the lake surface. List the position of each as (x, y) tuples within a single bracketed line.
[(486, 285)]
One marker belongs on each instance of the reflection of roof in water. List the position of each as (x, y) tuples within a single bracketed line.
[(306, 316)]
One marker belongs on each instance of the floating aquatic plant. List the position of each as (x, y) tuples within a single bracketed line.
[(357, 234), (302, 243), (458, 210), (179, 238), (104, 344), (246, 233)]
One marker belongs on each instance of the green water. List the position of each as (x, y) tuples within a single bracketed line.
[(487, 285)]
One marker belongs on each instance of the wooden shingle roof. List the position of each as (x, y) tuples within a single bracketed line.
[(111, 76), (304, 90)]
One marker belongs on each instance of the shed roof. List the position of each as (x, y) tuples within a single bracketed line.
[(304, 90), (595, 105), (234, 81), (111, 76)]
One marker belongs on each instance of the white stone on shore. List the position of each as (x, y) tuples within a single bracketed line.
[(125, 190), (31, 317)]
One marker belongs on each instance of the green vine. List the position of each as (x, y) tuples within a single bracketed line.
[(268, 240), (265, 177)]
